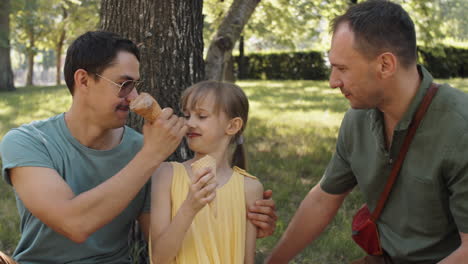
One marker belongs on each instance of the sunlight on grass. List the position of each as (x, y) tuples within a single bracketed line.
[(31, 103), (290, 137)]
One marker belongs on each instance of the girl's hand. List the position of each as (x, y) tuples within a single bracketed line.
[(200, 193)]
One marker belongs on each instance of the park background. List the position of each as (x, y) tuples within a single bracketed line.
[(275, 50)]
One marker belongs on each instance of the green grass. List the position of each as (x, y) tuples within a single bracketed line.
[(290, 138)]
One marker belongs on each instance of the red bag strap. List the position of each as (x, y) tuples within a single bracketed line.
[(404, 149)]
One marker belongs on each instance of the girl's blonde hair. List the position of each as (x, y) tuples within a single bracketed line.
[(230, 99)]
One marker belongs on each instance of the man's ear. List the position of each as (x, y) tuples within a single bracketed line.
[(81, 78), (234, 126), (387, 63)]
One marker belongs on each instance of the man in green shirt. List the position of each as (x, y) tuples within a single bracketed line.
[(425, 219), (80, 178)]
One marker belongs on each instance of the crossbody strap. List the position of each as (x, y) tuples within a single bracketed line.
[(404, 149)]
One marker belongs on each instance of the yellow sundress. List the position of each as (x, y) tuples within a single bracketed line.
[(213, 238)]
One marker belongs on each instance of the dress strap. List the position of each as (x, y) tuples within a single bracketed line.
[(243, 172)]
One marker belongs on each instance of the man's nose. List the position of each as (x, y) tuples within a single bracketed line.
[(334, 81), (132, 95)]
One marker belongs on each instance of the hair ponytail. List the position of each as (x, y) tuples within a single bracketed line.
[(238, 158)]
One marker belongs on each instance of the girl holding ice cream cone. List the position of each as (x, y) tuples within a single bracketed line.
[(183, 228)]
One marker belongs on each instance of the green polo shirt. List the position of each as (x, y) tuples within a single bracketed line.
[(428, 204)]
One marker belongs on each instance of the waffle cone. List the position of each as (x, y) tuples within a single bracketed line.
[(146, 106), (207, 162)]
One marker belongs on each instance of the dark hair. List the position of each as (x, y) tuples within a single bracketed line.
[(230, 99), (380, 26), (94, 52)]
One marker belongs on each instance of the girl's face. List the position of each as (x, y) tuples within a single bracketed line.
[(207, 129)]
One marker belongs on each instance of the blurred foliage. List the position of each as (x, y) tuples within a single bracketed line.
[(308, 65), (441, 61), (304, 24), (445, 62), (38, 24)]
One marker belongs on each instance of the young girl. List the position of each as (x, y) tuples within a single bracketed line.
[(183, 228)]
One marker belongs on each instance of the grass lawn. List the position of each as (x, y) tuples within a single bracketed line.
[(290, 138)]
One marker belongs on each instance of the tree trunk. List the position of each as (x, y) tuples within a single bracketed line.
[(59, 48), (30, 53), (6, 74), (220, 50), (169, 34), (241, 64), (30, 73), (58, 59)]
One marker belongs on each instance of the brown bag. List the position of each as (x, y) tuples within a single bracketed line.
[(364, 228)]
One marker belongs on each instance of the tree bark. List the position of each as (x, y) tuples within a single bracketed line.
[(6, 73), (240, 63), (58, 59), (30, 53), (220, 50), (59, 48), (169, 34)]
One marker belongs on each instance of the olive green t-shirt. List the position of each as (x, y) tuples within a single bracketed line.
[(428, 204), (48, 143)]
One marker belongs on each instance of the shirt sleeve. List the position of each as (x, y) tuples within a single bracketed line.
[(338, 177), (21, 148), (457, 184)]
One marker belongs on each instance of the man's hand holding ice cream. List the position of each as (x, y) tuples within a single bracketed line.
[(163, 130)]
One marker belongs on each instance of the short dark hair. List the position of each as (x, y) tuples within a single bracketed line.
[(380, 26), (94, 51)]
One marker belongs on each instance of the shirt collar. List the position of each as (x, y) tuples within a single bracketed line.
[(376, 116), (426, 80)]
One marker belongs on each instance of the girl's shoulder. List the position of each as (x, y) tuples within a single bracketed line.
[(244, 173), (163, 173), (253, 188)]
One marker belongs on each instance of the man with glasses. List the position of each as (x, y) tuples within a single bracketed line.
[(81, 177)]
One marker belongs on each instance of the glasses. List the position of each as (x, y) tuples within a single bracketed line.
[(125, 88)]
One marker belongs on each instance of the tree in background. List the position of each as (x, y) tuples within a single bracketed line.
[(279, 24), (71, 18), (228, 33), (42, 25), (31, 25), (304, 24), (6, 74)]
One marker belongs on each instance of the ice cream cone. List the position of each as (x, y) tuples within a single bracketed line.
[(146, 106), (207, 162)]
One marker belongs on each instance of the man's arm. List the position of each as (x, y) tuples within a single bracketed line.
[(314, 214), (50, 199), (45, 193), (459, 256)]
